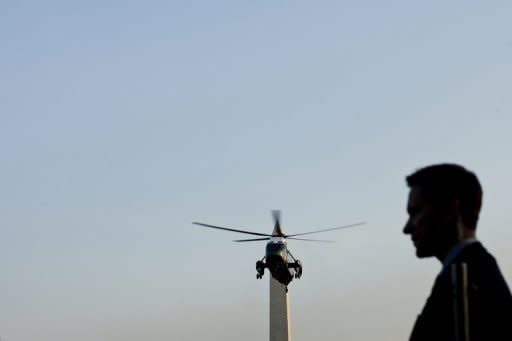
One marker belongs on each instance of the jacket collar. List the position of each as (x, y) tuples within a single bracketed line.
[(455, 251)]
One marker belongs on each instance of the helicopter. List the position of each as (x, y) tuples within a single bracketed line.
[(278, 259)]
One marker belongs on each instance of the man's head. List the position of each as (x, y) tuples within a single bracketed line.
[(444, 204)]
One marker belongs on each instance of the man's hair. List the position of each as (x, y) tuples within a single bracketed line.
[(450, 182)]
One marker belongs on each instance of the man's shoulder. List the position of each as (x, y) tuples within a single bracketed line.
[(484, 272), (482, 269), (476, 255)]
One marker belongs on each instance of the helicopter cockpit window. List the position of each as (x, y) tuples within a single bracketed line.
[(275, 246)]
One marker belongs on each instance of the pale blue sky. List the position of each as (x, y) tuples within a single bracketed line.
[(123, 122)]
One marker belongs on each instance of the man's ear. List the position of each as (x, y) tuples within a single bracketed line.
[(454, 213), (454, 208)]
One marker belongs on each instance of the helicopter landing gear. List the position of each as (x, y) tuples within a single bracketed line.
[(297, 266), (260, 268)]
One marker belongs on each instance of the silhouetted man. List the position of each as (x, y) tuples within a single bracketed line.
[(443, 206)]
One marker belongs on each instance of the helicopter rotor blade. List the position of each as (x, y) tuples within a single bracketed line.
[(250, 240), (313, 240), (232, 230), (325, 230)]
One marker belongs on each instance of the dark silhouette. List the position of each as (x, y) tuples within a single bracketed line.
[(444, 205)]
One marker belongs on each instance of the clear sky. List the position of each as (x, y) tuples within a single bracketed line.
[(122, 122)]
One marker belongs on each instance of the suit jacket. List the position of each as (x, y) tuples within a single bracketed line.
[(489, 302)]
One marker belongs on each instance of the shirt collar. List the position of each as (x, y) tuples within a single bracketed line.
[(456, 250)]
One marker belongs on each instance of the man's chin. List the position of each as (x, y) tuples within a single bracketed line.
[(422, 253)]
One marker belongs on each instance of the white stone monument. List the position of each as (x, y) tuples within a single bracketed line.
[(279, 309), (279, 312)]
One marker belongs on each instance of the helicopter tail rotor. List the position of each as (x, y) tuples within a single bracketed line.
[(277, 223)]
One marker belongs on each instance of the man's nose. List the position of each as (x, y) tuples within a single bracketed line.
[(408, 227)]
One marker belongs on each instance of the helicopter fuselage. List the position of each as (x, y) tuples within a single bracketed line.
[(277, 260), (280, 262)]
